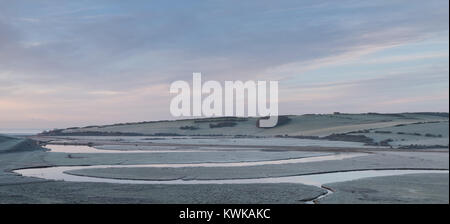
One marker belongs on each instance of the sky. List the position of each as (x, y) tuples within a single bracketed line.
[(76, 63)]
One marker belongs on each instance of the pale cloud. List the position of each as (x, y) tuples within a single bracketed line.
[(29, 20), (105, 92), (415, 99), (352, 54), (80, 62), (83, 107)]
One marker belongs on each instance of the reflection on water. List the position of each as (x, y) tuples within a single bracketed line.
[(57, 173), (88, 149), (268, 141)]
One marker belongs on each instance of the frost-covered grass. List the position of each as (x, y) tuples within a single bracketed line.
[(259, 142), (395, 129), (425, 134), (310, 124)]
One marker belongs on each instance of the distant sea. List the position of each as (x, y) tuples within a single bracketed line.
[(20, 131)]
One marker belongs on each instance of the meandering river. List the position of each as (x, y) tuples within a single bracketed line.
[(318, 180)]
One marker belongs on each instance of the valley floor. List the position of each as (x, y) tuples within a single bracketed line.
[(216, 160)]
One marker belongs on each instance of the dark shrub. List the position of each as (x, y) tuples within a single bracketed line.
[(222, 124), (221, 119), (383, 132), (386, 142), (189, 128), (433, 136), (282, 120), (350, 138)]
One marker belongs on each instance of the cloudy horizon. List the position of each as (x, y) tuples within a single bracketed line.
[(77, 63)]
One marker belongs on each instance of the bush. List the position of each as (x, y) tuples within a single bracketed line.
[(383, 132), (386, 142), (189, 128), (350, 138), (222, 124), (221, 119), (282, 120), (415, 146)]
